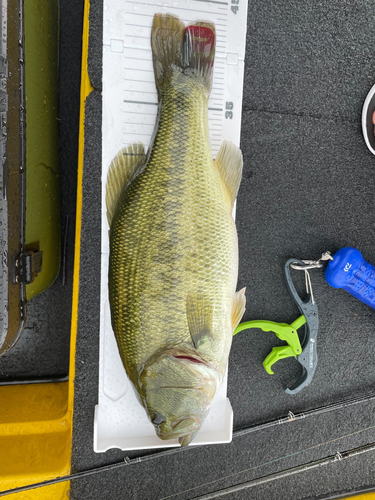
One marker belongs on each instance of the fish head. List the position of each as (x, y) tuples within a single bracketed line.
[(177, 391)]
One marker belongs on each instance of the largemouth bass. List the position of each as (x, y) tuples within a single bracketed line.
[(173, 243)]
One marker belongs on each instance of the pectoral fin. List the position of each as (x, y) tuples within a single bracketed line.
[(199, 312), (123, 169), (238, 307), (229, 162)]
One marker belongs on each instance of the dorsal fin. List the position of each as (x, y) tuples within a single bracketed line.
[(199, 312), (123, 169), (229, 162), (238, 307)]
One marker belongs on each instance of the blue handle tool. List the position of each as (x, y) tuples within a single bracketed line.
[(350, 271)]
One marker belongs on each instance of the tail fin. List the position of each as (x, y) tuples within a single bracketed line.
[(199, 51), (192, 49), (167, 36)]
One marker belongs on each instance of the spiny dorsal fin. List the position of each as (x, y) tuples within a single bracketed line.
[(199, 312), (123, 169), (229, 162), (167, 35), (238, 307), (199, 52)]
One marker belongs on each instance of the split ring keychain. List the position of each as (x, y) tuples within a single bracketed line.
[(347, 269)]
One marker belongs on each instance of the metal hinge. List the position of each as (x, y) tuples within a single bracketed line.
[(27, 266)]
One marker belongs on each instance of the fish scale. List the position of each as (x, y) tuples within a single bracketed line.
[(186, 241)]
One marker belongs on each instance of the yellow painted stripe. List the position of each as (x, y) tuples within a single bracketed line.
[(86, 88)]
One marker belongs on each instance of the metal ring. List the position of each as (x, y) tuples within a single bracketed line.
[(313, 265)]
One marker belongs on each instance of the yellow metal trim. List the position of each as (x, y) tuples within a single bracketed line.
[(36, 420), (54, 492), (33, 403), (363, 496)]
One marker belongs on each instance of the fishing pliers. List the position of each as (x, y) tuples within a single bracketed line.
[(305, 351)]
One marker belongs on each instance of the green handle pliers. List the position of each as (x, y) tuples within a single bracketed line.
[(283, 331), (304, 351)]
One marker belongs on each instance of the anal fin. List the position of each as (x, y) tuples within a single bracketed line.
[(229, 162), (238, 307), (123, 169)]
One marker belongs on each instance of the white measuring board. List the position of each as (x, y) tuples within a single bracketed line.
[(129, 112)]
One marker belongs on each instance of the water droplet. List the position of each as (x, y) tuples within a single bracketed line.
[(105, 7), (135, 7)]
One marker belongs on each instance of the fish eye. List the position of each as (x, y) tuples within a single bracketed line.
[(157, 418)]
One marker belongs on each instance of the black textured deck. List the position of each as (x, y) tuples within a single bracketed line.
[(308, 187)]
